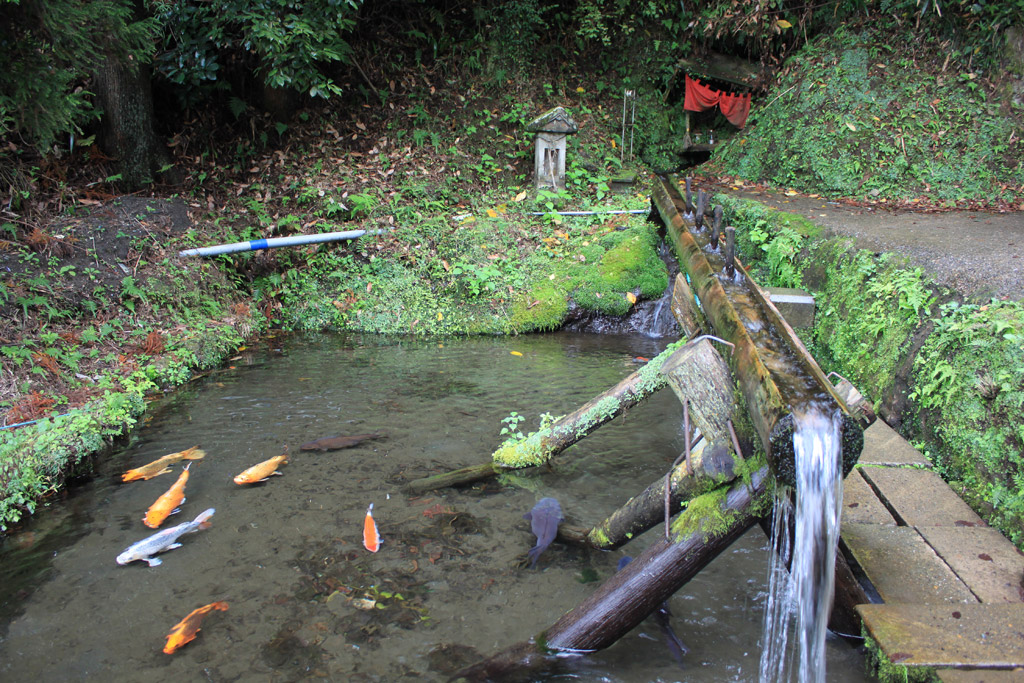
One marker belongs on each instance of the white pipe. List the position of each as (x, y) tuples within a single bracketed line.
[(274, 242), (588, 213)]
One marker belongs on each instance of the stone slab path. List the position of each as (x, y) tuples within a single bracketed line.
[(950, 588)]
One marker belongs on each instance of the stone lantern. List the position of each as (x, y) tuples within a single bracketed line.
[(552, 128)]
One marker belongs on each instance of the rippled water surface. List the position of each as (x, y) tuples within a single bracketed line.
[(306, 601)]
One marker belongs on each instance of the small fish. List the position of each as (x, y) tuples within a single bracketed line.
[(334, 443), (676, 647), (262, 471), (163, 540), (371, 539), (185, 630), (160, 465), (167, 504), (544, 519)]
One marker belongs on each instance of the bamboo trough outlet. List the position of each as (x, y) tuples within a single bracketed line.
[(776, 375)]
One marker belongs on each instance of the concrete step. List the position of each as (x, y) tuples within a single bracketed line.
[(861, 505), (919, 497), (989, 564), (901, 566), (884, 446), (948, 636)]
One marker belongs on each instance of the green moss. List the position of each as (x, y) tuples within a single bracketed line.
[(887, 672), (869, 310), (544, 307), (705, 514), (634, 264)]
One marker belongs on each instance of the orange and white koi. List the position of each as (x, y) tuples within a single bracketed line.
[(185, 630), (167, 504), (262, 471), (160, 465), (371, 539)]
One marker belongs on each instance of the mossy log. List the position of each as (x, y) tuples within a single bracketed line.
[(540, 446), (632, 593)]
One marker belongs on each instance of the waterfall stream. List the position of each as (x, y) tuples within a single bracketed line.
[(802, 596)]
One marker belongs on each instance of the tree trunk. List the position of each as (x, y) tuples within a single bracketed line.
[(126, 127)]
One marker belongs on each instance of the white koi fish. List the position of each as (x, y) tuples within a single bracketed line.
[(163, 540)]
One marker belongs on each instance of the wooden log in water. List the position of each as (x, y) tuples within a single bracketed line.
[(540, 446), (460, 477), (632, 593)]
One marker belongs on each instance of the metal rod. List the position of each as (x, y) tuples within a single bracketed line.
[(730, 251), (589, 213)]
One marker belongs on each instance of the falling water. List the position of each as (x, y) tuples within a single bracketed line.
[(804, 594)]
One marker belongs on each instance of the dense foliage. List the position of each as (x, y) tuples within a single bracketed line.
[(842, 125)]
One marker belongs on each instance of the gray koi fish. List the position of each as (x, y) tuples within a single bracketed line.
[(163, 540), (544, 519), (676, 647)]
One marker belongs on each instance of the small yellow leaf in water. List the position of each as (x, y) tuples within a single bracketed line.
[(515, 353)]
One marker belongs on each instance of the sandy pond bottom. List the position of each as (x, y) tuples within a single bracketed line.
[(307, 601)]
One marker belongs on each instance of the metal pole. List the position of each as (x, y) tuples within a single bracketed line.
[(274, 242)]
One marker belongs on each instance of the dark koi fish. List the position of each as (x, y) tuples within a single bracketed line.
[(334, 443), (544, 519), (676, 647)]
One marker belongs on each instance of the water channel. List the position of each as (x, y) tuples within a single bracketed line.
[(306, 600)]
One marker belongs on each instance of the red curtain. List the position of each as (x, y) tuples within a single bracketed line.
[(700, 97)]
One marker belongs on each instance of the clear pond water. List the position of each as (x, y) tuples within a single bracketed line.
[(306, 600)]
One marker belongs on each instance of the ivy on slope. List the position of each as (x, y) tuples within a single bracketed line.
[(969, 379), (855, 115)]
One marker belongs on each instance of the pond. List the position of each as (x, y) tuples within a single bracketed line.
[(306, 600)]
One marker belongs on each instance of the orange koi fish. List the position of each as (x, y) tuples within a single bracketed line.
[(262, 471), (160, 465), (168, 503), (185, 630), (371, 539)]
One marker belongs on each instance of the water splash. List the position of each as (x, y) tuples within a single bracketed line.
[(802, 597)]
